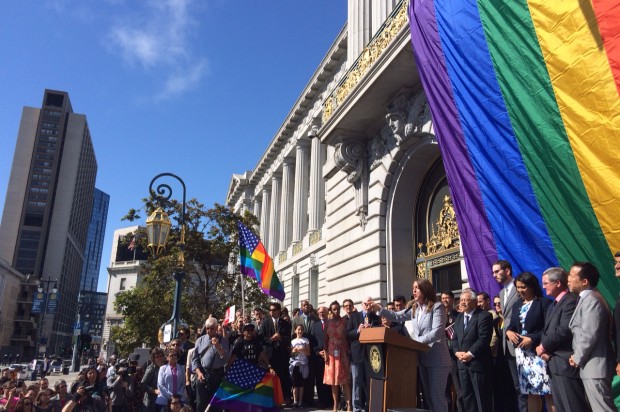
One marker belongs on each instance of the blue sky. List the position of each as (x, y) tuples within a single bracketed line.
[(193, 87)]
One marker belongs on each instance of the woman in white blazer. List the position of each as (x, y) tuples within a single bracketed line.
[(165, 380), (428, 317)]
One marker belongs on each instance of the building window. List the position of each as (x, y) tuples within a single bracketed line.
[(314, 287), (123, 283)]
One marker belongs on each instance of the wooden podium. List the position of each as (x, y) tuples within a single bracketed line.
[(393, 361)]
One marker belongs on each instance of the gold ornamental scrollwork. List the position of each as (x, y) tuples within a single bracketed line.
[(443, 245), (367, 58), (315, 237)]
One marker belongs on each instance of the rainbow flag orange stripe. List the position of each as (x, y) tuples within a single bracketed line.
[(256, 263)]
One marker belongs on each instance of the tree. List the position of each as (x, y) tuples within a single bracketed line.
[(212, 281)]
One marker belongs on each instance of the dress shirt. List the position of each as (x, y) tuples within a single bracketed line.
[(210, 359)]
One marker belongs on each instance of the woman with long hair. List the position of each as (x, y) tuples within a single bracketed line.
[(336, 355), (428, 316), (43, 402), (24, 405), (524, 331)]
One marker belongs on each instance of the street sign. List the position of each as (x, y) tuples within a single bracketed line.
[(77, 328)]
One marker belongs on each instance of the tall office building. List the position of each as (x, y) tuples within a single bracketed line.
[(45, 220), (94, 242)]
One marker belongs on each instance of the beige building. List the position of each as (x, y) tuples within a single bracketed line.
[(351, 192), (123, 274), (10, 281), (45, 219)]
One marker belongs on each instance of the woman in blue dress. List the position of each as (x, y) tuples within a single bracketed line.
[(524, 331)]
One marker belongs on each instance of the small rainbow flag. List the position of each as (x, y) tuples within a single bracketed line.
[(256, 263), (524, 96), (248, 388)]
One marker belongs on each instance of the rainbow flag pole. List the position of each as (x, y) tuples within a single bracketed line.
[(256, 263), (524, 96)]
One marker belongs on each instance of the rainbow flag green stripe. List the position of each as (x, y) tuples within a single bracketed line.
[(540, 132)]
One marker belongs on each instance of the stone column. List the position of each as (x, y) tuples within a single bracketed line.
[(274, 216), (380, 11), (256, 207), (317, 186), (264, 216), (300, 200), (286, 204), (359, 28)]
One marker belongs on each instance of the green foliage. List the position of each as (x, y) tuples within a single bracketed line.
[(212, 281)]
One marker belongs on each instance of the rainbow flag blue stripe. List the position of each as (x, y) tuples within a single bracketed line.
[(525, 103)]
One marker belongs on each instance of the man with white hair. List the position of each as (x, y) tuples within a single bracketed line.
[(210, 356), (471, 343)]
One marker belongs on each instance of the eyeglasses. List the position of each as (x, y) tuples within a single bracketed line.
[(273, 310), (496, 303)]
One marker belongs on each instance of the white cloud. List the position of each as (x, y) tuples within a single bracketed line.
[(158, 38), (182, 80)]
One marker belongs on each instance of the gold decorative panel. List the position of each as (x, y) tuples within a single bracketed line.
[(443, 245), (367, 58)]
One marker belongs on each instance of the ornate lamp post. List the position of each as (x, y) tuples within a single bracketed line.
[(46, 294), (157, 229)]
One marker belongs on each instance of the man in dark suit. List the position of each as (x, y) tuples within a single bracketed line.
[(359, 364), (275, 333), (511, 398), (317, 341), (471, 343), (306, 318), (556, 344)]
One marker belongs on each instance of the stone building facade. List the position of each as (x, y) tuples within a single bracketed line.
[(351, 192)]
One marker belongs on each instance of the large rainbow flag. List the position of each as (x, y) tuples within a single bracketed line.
[(256, 263), (525, 102)]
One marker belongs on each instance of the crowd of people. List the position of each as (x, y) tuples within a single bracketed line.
[(516, 351)]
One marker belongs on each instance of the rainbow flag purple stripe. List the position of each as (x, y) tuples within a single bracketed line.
[(524, 100)]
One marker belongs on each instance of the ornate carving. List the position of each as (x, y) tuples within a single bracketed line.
[(297, 247), (378, 147), (282, 257), (352, 158), (443, 245), (315, 237), (407, 117), (368, 57), (314, 261)]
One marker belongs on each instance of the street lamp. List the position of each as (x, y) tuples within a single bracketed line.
[(47, 291), (157, 229)]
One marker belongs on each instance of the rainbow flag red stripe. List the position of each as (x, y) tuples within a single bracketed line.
[(524, 96), (256, 263)]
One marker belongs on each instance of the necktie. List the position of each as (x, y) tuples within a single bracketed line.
[(323, 325), (174, 380), (466, 321)]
